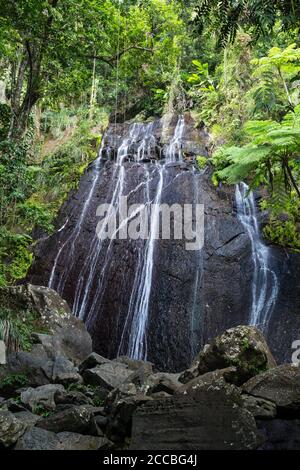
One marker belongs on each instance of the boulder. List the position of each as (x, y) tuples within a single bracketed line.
[(161, 382), (45, 396), (38, 439), (243, 347), (11, 428), (134, 364), (68, 335), (120, 420), (64, 372), (281, 385), (27, 418), (34, 365), (109, 375), (189, 374), (210, 378), (92, 361), (259, 407), (79, 419), (212, 419), (75, 441), (280, 434)]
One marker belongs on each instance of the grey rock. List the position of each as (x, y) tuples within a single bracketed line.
[(29, 419), (75, 441), (38, 439), (135, 364), (109, 375), (259, 407), (212, 419), (64, 372), (243, 347), (35, 365), (120, 419), (46, 396), (92, 361), (69, 336), (189, 374), (11, 428), (210, 378), (161, 382), (79, 419), (281, 385)]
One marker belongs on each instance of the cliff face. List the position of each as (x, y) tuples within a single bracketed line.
[(193, 295)]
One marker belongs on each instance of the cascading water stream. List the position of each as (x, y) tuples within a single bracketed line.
[(139, 148), (265, 284), (71, 240)]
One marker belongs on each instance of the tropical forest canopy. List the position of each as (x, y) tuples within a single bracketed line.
[(67, 67)]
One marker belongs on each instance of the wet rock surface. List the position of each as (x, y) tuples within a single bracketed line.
[(196, 296)]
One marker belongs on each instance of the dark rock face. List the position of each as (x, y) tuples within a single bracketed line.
[(194, 295), (185, 423), (281, 385)]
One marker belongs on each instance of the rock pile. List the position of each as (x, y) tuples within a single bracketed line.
[(58, 396)]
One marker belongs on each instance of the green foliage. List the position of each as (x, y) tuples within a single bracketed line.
[(225, 17), (271, 146), (201, 162), (14, 380), (19, 327)]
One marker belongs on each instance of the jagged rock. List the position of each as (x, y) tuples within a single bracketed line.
[(35, 365), (11, 428), (13, 405), (210, 378), (101, 421), (119, 425), (189, 374), (135, 364), (74, 441), (213, 419), (38, 439), (27, 418), (280, 434), (78, 419), (161, 382), (280, 385), (109, 375), (259, 407), (64, 372), (75, 398), (46, 396), (92, 361), (243, 347), (69, 336)]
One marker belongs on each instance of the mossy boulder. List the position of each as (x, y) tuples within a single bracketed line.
[(243, 347), (49, 316)]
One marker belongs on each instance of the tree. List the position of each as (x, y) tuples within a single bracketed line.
[(52, 46), (226, 16)]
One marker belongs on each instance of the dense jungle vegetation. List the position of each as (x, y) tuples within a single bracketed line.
[(68, 66)]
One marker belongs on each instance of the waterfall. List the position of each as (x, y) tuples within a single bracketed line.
[(265, 286), (69, 244), (140, 298), (133, 147), (174, 149)]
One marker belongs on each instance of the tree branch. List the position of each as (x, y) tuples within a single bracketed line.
[(110, 60)]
